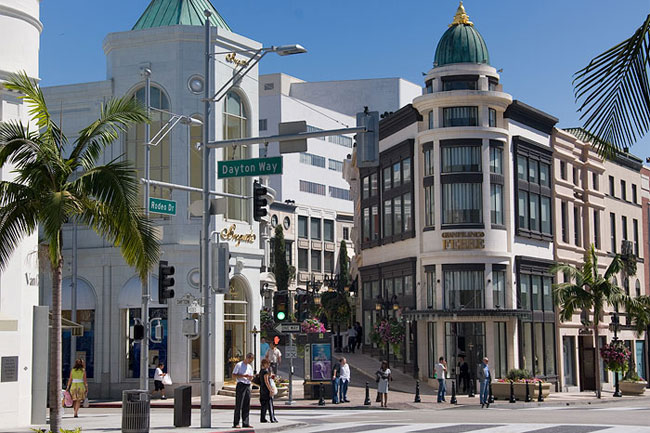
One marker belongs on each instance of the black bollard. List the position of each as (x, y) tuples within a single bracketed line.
[(528, 399), (454, 400), (366, 402), (540, 398), (512, 392), (417, 392), (472, 384), (321, 391), (490, 396)]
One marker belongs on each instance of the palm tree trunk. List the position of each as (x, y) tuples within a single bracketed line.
[(55, 350), (597, 354)]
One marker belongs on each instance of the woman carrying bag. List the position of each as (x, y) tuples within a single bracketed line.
[(77, 385), (383, 376), (267, 391)]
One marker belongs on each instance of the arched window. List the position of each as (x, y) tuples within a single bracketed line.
[(626, 286), (195, 172), (160, 154), (235, 125), (637, 288)]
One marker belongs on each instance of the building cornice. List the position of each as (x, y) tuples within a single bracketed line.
[(530, 116), (399, 120), (21, 15)]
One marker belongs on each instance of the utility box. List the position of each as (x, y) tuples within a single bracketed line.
[(183, 406)]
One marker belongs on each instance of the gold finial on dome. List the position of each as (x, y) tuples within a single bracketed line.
[(461, 17)]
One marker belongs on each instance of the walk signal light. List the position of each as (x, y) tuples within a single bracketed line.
[(259, 201), (165, 281), (138, 331)]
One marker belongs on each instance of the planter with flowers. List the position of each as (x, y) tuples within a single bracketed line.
[(312, 326), (633, 384), (519, 378), (615, 356), (390, 332)]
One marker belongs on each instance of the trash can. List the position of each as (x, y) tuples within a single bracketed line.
[(183, 406), (135, 411)]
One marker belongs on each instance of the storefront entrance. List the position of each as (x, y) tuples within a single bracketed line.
[(587, 354), (235, 325), (464, 339)]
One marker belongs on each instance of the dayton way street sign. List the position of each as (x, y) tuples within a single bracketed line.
[(250, 167), (289, 328), (159, 205)]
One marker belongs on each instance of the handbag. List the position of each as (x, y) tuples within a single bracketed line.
[(167, 379), (256, 380), (86, 403), (66, 399), (273, 390)]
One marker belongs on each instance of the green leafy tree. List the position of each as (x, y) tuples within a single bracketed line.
[(344, 264), (336, 306), (280, 267), (588, 291), (613, 91), (57, 181)]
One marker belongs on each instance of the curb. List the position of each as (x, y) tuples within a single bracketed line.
[(118, 405)]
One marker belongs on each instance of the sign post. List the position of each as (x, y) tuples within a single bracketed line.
[(290, 351)]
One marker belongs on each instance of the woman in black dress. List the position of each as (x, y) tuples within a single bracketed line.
[(266, 399)]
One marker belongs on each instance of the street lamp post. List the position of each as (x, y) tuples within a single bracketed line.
[(386, 305), (615, 323), (204, 269), (255, 331)]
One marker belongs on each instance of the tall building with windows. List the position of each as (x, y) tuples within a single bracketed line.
[(456, 235), (169, 40), (597, 203), (20, 31), (312, 187)]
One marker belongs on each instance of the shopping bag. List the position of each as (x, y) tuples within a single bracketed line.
[(66, 400), (378, 399), (167, 379), (273, 390), (86, 403)]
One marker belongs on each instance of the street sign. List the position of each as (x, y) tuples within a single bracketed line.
[(290, 352), (292, 146), (289, 328), (160, 205), (249, 167)]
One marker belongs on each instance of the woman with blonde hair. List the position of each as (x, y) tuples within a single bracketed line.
[(77, 385)]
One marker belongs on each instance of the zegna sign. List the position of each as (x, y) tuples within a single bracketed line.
[(463, 240), (228, 234)]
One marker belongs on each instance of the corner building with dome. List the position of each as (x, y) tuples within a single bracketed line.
[(455, 224)]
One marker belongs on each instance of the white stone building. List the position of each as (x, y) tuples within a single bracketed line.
[(20, 31), (109, 292)]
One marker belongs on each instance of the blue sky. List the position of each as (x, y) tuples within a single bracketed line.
[(539, 44)]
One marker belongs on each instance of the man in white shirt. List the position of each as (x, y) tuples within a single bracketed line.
[(441, 374), (352, 338), (274, 356), (344, 381), (243, 372)]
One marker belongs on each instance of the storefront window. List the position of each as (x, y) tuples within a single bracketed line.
[(500, 350), (431, 346), (157, 350), (462, 203), (463, 289), (499, 288), (461, 159)]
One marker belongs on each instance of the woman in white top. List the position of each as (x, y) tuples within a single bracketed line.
[(383, 376), (157, 380)]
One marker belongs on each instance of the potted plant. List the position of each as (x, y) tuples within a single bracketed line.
[(615, 356), (312, 326), (519, 378), (391, 332), (632, 384)]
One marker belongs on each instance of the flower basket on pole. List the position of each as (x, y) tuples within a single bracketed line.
[(388, 332)]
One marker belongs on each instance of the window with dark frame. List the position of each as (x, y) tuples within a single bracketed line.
[(577, 231), (459, 82), (612, 191), (428, 184), (623, 190), (459, 116), (635, 233), (612, 230), (563, 170), (624, 226), (594, 180), (565, 222), (533, 189), (634, 197), (303, 228), (596, 229), (461, 178)]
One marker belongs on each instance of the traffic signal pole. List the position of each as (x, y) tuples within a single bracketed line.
[(144, 343)]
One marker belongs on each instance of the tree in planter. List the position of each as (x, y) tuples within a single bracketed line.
[(336, 307), (344, 264), (587, 290), (58, 181), (280, 266)]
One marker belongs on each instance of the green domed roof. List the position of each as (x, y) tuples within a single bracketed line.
[(461, 43)]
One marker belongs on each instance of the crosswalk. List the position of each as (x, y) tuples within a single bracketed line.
[(398, 427)]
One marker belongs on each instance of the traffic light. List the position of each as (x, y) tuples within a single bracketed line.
[(259, 201), (221, 267), (280, 306), (368, 142), (165, 281), (138, 331)]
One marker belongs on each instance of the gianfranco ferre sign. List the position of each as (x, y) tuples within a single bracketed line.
[(463, 240)]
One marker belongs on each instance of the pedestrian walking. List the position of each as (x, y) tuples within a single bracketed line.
[(336, 380), (352, 338), (344, 381), (264, 347), (441, 374), (77, 385), (158, 385), (463, 376), (383, 377), (243, 372), (274, 356), (266, 395), (359, 329), (484, 378)]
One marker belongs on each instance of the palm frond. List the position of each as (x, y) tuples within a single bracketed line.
[(116, 117), (33, 96), (18, 218), (638, 309), (613, 91), (18, 145)]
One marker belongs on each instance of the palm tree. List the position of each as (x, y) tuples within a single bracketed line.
[(57, 181), (585, 290), (614, 93)]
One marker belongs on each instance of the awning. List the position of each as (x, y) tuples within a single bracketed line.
[(76, 328)]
